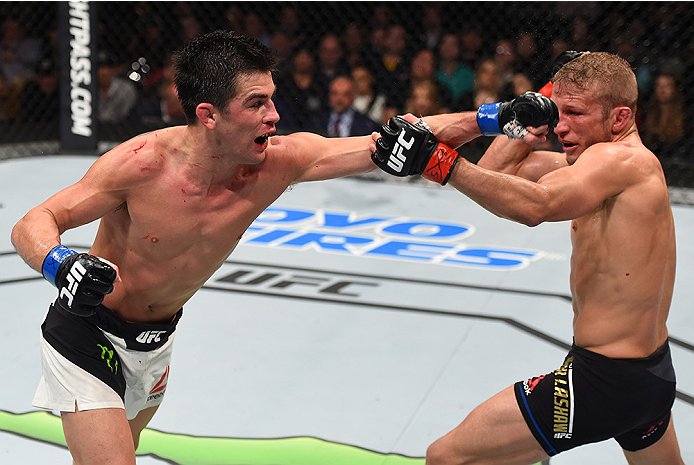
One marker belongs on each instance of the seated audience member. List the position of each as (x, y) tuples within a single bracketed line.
[(340, 119), (662, 129), (367, 101), (117, 94), (423, 100), (298, 95)]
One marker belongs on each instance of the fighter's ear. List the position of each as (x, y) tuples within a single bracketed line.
[(206, 113), (621, 116)]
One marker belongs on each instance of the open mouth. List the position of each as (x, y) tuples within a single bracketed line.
[(262, 139)]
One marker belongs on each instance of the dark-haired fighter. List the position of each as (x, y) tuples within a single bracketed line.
[(172, 206)]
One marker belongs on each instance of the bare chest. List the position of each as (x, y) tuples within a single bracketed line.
[(175, 218)]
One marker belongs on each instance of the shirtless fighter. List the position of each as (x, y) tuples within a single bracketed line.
[(617, 381), (172, 206)]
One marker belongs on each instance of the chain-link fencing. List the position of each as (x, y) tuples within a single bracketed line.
[(419, 57)]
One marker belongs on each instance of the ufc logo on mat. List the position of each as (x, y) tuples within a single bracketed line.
[(397, 160), (73, 281)]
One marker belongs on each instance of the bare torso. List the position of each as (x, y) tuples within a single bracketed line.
[(172, 231), (623, 266)]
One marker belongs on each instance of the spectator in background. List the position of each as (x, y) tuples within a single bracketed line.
[(521, 84), (296, 97), (117, 94), (432, 27), (581, 37), (290, 25), (625, 48), (423, 68), (40, 97), (505, 56), (284, 50), (367, 100), (233, 18), (190, 27), (489, 87), (330, 63), (340, 119), (663, 128), (530, 60), (392, 66), (19, 55), (357, 51), (255, 27), (471, 47), (380, 22), (423, 100), (10, 102), (453, 73)]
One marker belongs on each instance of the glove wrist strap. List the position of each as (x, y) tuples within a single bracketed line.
[(488, 119), (440, 164), (53, 261)]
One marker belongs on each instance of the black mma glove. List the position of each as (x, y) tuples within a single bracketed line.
[(82, 279), (511, 118), (406, 149), (559, 62)]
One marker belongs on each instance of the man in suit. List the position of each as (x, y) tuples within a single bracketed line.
[(340, 119)]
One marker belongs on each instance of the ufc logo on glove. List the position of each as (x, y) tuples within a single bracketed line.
[(406, 149), (73, 281), (397, 159)]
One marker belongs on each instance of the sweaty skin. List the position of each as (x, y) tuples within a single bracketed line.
[(613, 190), (174, 203)]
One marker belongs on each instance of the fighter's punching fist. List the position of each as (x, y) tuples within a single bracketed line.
[(511, 118), (82, 279), (559, 62), (406, 149)]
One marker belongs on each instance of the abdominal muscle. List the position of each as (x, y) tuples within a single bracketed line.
[(153, 291)]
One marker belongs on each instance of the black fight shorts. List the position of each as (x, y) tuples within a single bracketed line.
[(592, 398)]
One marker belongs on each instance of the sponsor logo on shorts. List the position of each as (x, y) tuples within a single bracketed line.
[(563, 401), (149, 337), (107, 355), (651, 430), (159, 388), (529, 384)]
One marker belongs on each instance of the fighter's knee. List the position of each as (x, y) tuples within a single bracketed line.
[(440, 453)]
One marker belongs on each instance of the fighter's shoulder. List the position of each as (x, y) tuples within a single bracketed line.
[(134, 160), (291, 144)]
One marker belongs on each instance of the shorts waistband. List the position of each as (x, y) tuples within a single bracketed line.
[(137, 336), (658, 363)]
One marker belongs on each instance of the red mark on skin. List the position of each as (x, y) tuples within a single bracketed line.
[(154, 239), (215, 157), (184, 191), (161, 155), (175, 150), (146, 237), (144, 168), (143, 144)]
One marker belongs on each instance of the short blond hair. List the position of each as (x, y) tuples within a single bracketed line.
[(608, 76)]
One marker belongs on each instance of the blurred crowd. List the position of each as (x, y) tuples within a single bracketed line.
[(349, 66)]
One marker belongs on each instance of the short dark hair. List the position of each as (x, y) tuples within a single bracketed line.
[(208, 67)]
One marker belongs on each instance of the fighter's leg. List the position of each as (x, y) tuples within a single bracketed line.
[(99, 437), (664, 452), (493, 433), (138, 423)]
